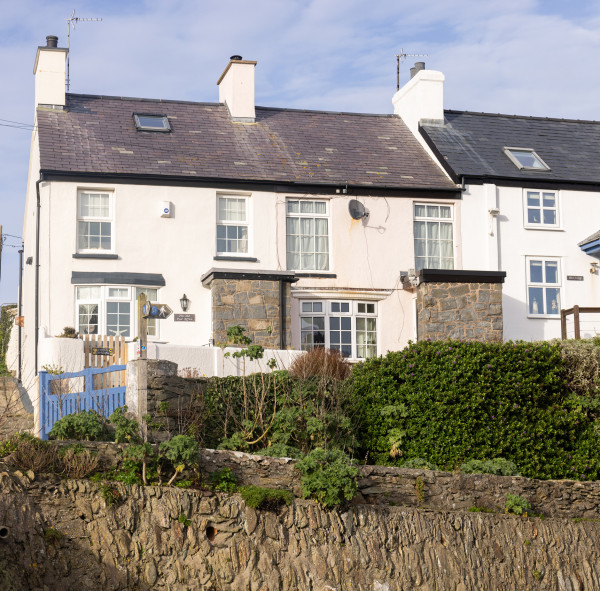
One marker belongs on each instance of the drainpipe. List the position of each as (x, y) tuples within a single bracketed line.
[(19, 312), (281, 314), (37, 270)]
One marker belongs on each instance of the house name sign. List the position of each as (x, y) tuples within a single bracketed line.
[(185, 317), (574, 277)]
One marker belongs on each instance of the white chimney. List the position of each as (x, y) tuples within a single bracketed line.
[(50, 71), (236, 89), (421, 98)]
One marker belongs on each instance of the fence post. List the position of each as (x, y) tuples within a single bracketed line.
[(563, 324), (42, 400), (576, 322), (136, 394)]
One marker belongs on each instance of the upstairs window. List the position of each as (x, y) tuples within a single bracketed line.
[(434, 242), (232, 225), (307, 235), (147, 122), (94, 221), (541, 209), (525, 159)]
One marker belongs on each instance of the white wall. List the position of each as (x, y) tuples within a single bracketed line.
[(578, 219)]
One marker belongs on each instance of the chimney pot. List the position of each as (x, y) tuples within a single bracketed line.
[(417, 68), (236, 58), (51, 41)]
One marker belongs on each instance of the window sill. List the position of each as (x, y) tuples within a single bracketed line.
[(93, 255), (318, 275), (541, 227), (544, 317), (228, 258)]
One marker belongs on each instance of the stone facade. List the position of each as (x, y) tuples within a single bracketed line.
[(459, 305), (60, 534), (251, 300)]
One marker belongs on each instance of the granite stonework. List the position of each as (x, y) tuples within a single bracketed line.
[(253, 301), (464, 305), (61, 534)]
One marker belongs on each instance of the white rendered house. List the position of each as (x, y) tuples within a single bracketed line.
[(243, 209), (530, 203)]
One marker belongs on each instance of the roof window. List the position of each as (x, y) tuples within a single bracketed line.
[(525, 159), (149, 122)]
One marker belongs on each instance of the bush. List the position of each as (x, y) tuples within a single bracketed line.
[(182, 451), (87, 425), (77, 462), (498, 466), (328, 477), (126, 430), (581, 365), (34, 454), (280, 450), (322, 363), (516, 505), (258, 497), (419, 463), (447, 401), (224, 480)]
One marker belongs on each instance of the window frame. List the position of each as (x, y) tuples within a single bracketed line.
[(100, 219), (541, 225), (247, 223), (508, 150), (544, 285), (102, 300), (300, 215), (141, 127), (438, 220), (353, 314)]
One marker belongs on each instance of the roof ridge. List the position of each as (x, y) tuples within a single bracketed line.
[(203, 103), (530, 117)]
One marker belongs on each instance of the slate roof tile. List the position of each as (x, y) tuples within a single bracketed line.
[(471, 144), (97, 134)]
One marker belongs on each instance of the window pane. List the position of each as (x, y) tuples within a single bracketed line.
[(118, 292), (533, 199), (549, 200), (533, 216), (293, 206), (317, 306), (345, 307), (334, 323), (420, 230), (551, 272), (320, 207), (445, 211), (361, 309), (420, 211), (346, 322), (535, 272), (552, 300), (550, 216), (536, 300), (306, 207), (307, 307), (433, 211), (335, 306)]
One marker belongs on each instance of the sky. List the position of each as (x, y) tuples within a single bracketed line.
[(527, 57)]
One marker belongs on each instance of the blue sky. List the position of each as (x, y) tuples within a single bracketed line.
[(527, 57)]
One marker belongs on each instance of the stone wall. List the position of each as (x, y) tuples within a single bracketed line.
[(251, 300), (385, 485), (62, 535), (463, 305)]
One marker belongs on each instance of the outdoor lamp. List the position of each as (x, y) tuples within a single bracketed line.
[(184, 303)]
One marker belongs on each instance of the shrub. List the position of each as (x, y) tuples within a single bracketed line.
[(498, 466), (447, 401), (136, 458), (110, 494), (280, 450), (322, 363), (87, 425), (10, 444), (34, 454), (516, 504), (126, 429), (181, 451), (224, 480), (328, 477), (77, 462), (258, 497), (419, 463), (581, 365)]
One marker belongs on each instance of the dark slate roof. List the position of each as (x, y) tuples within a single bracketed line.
[(471, 145), (96, 134)]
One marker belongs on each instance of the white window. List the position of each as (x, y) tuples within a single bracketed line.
[(525, 159), (434, 242), (307, 235), (541, 209), (94, 221), (543, 287), (232, 225), (111, 310), (347, 326)]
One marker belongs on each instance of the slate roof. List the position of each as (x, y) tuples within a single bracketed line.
[(594, 236), (96, 134), (471, 144)]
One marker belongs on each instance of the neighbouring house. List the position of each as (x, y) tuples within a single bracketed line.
[(530, 203)]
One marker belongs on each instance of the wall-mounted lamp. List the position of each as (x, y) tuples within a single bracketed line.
[(184, 303), (494, 213), (29, 261), (594, 268)]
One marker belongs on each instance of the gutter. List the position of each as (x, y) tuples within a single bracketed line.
[(37, 270)]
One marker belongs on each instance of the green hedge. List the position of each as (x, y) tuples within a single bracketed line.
[(450, 401)]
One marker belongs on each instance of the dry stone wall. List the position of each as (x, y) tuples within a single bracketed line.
[(141, 544)]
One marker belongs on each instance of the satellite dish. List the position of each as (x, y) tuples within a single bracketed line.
[(356, 209)]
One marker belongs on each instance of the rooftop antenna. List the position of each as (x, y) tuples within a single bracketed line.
[(71, 22), (400, 57)]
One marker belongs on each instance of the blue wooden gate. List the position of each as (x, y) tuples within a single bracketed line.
[(94, 388)]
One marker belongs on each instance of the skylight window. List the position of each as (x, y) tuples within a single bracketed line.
[(525, 159), (147, 122)]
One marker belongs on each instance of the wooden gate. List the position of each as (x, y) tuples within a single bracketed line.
[(104, 351)]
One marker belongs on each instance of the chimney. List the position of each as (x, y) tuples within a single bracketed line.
[(236, 89), (50, 71), (421, 98)]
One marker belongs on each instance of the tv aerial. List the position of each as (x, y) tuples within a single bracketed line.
[(71, 22), (400, 57), (357, 210)]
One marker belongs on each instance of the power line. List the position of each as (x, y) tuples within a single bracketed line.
[(17, 122), (30, 128)]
